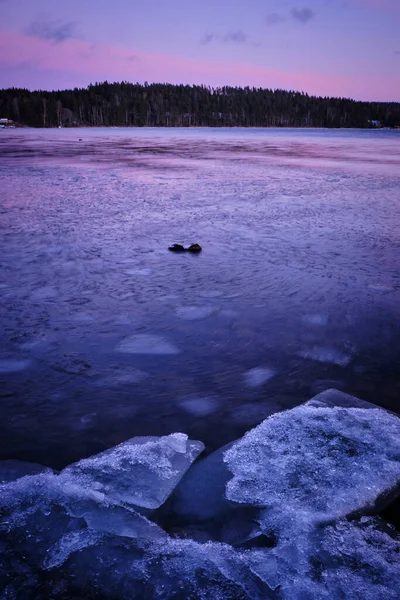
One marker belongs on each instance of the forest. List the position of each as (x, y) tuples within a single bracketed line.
[(165, 105)]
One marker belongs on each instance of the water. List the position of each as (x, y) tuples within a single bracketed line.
[(107, 335)]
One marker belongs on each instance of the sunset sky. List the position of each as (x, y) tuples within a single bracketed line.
[(345, 48)]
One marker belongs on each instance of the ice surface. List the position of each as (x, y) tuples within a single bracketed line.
[(147, 344), (193, 313), (139, 472), (316, 463), (200, 407), (258, 376), (13, 366), (201, 493), (10, 470), (121, 377), (325, 354)]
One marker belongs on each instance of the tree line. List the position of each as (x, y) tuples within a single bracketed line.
[(165, 105)]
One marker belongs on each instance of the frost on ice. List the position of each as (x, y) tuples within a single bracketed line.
[(324, 462), (139, 472), (278, 514)]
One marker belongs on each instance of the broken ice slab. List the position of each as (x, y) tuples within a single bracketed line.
[(10, 470), (326, 354), (322, 461), (141, 472)]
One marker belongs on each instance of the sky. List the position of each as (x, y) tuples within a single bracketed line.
[(345, 48)]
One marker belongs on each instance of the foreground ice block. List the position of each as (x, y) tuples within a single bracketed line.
[(320, 461), (141, 472)]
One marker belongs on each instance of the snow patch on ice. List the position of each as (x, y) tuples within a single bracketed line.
[(326, 354), (140, 472), (200, 407), (146, 344), (194, 313), (258, 376)]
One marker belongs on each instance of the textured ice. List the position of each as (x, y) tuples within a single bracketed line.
[(200, 407), (146, 344), (14, 469), (326, 354), (13, 366), (258, 376), (48, 516), (193, 313), (139, 472), (325, 462)]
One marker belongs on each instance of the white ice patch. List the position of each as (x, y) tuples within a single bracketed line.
[(315, 320), (146, 344), (258, 376), (200, 407), (326, 354), (380, 288), (316, 464), (140, 472), (193, 313), (139, 272), (69, 543), (13, 366)]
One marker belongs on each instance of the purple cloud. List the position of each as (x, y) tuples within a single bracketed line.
[(303, 15), (54, 31)]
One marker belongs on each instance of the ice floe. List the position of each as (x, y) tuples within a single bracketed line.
[(279, 514), (139, 472)]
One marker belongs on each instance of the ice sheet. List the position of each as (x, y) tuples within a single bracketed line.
[(139, 472)]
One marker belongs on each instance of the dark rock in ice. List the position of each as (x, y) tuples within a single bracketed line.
[(194, 248), (177, 248), (10, 470)]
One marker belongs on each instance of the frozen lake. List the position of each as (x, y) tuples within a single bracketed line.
[(106, 335)]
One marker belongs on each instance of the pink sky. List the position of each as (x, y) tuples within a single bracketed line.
[(351, 51)]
